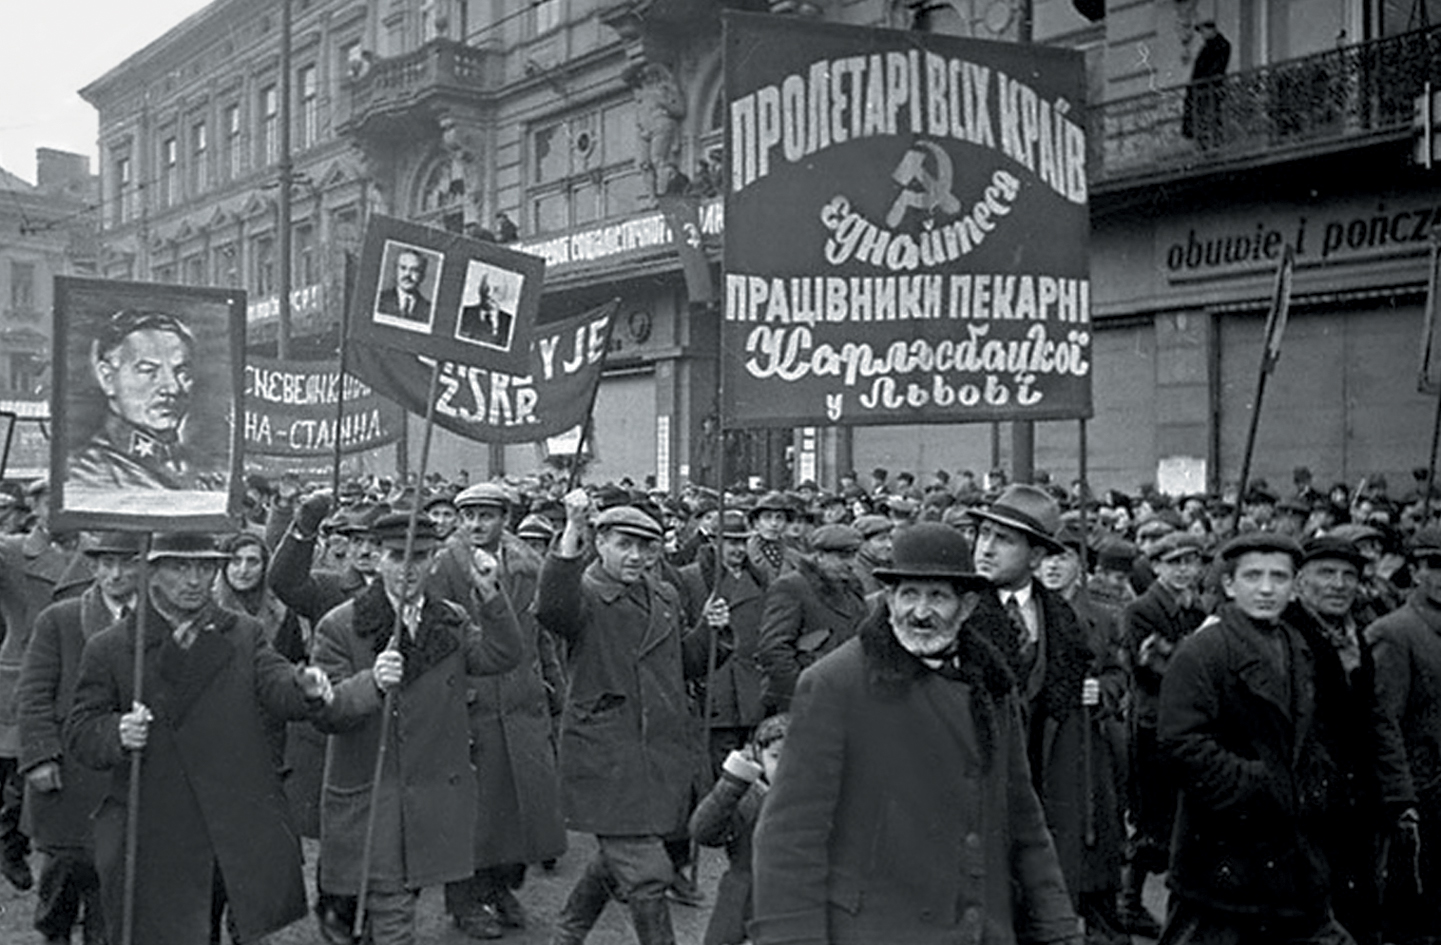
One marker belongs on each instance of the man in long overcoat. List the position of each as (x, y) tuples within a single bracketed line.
[(517, 789), (1406, 645), (425, 799), (1256, 760), (212, 813), (60, 794), (629, 749), (1048, 653), (809, 611), (902, 811)]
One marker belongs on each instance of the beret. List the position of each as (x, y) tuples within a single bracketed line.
[(629, 520)]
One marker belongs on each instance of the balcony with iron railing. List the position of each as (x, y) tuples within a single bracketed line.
[(1330, 102), (441, 69)]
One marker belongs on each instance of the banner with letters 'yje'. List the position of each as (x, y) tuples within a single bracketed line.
[(906, 228)]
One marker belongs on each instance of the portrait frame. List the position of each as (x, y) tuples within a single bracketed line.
[(382, 308), (106, 472), (457, 262), (501, 289)]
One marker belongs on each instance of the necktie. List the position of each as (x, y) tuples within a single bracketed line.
[(1025, 649), (407, 305), (186, 636), (410, 616)]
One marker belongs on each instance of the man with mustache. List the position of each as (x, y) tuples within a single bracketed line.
[(143, 361), (902, 810)]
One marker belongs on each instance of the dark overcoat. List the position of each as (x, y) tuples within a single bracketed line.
[(517, 786), (209, 792), (1258, 775), (902, 811), (629, 748), (726, 817), (310, 592), (735, 693), (58, 819), (806, 616), (425, 804), (34, 573)]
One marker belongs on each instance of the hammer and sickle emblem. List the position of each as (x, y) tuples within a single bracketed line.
[(935, 191), (692, 236)]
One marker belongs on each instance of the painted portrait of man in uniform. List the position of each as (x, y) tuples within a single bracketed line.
[(145, 400)]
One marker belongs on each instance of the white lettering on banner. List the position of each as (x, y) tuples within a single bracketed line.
[(306, 300), (300, 389), (313, 435), (815, 300), (647, 232), (906, 92)]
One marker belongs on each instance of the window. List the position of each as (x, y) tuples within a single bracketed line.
[(351, 61), (269, 125), (27, 373), (234, 151), (22, 288), (305, 270), (582, 169), (169, 172), (195, 270), (309, 107), (545, 16), (124, 192), (227, 267), (263, 277), (199, 158)]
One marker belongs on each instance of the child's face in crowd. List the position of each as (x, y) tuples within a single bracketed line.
[(771, 759)]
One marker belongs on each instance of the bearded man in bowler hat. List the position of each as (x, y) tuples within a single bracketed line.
[(903, 809)]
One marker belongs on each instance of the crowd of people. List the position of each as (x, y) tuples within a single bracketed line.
[(957, 710)]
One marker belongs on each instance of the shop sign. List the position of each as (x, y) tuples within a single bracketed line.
[(908, 228), (594, 244)]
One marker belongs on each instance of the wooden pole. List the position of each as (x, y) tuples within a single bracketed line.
[(367, 850), (347, 270), (1088, 796), (132, 811)]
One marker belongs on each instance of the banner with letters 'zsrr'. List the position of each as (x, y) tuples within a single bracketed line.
[(906, 228)]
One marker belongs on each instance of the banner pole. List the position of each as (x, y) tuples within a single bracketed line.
[(368, 848), (1270, 354), (347, 274), (132, 811), (1427, 355), (1088, 794), (1431, 466), (585, 429)]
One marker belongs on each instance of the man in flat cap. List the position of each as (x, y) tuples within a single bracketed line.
[(398, 636), (1408, 683), (903, 809), (1254, 753), (628, 749), (213, 819), (60, 795), (1042, 639), (809, 611), (143, 362), (1369, 750)]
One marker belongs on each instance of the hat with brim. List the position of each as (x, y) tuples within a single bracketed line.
[(774, 502), (389, 532), (535, 526), (734, 524), (839, 538), (115, 543), (1329, 547), (1426, 543), (193, 546), (1262, 543), (629, 520), (1028, 510), (930, 551)]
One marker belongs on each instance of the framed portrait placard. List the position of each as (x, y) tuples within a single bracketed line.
[(436, 293), (148, 382)]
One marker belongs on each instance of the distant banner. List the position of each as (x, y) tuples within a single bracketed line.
[(492, 407), (290, 410), (682, 215), (907, 228)]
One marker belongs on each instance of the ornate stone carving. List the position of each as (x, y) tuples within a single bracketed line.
[(660, 109)]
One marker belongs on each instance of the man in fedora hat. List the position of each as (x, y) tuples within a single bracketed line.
[(627, 747), (1047, 650), (903, 809), (809, 611), (1255, 755), (1408, 683), (424, 805), (213, 819), (60, 795)]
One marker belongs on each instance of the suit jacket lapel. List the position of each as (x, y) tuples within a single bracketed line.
[(187, 674)]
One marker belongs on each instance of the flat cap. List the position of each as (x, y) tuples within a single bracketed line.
[(1263, 542), (200, 546), (734, 524), (536, 526), (872, 525), (1425, 543), (483, 493), (1323, 547), (389, 531), (629, 520), (835, 538), (115, 543), (1178, 545)]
